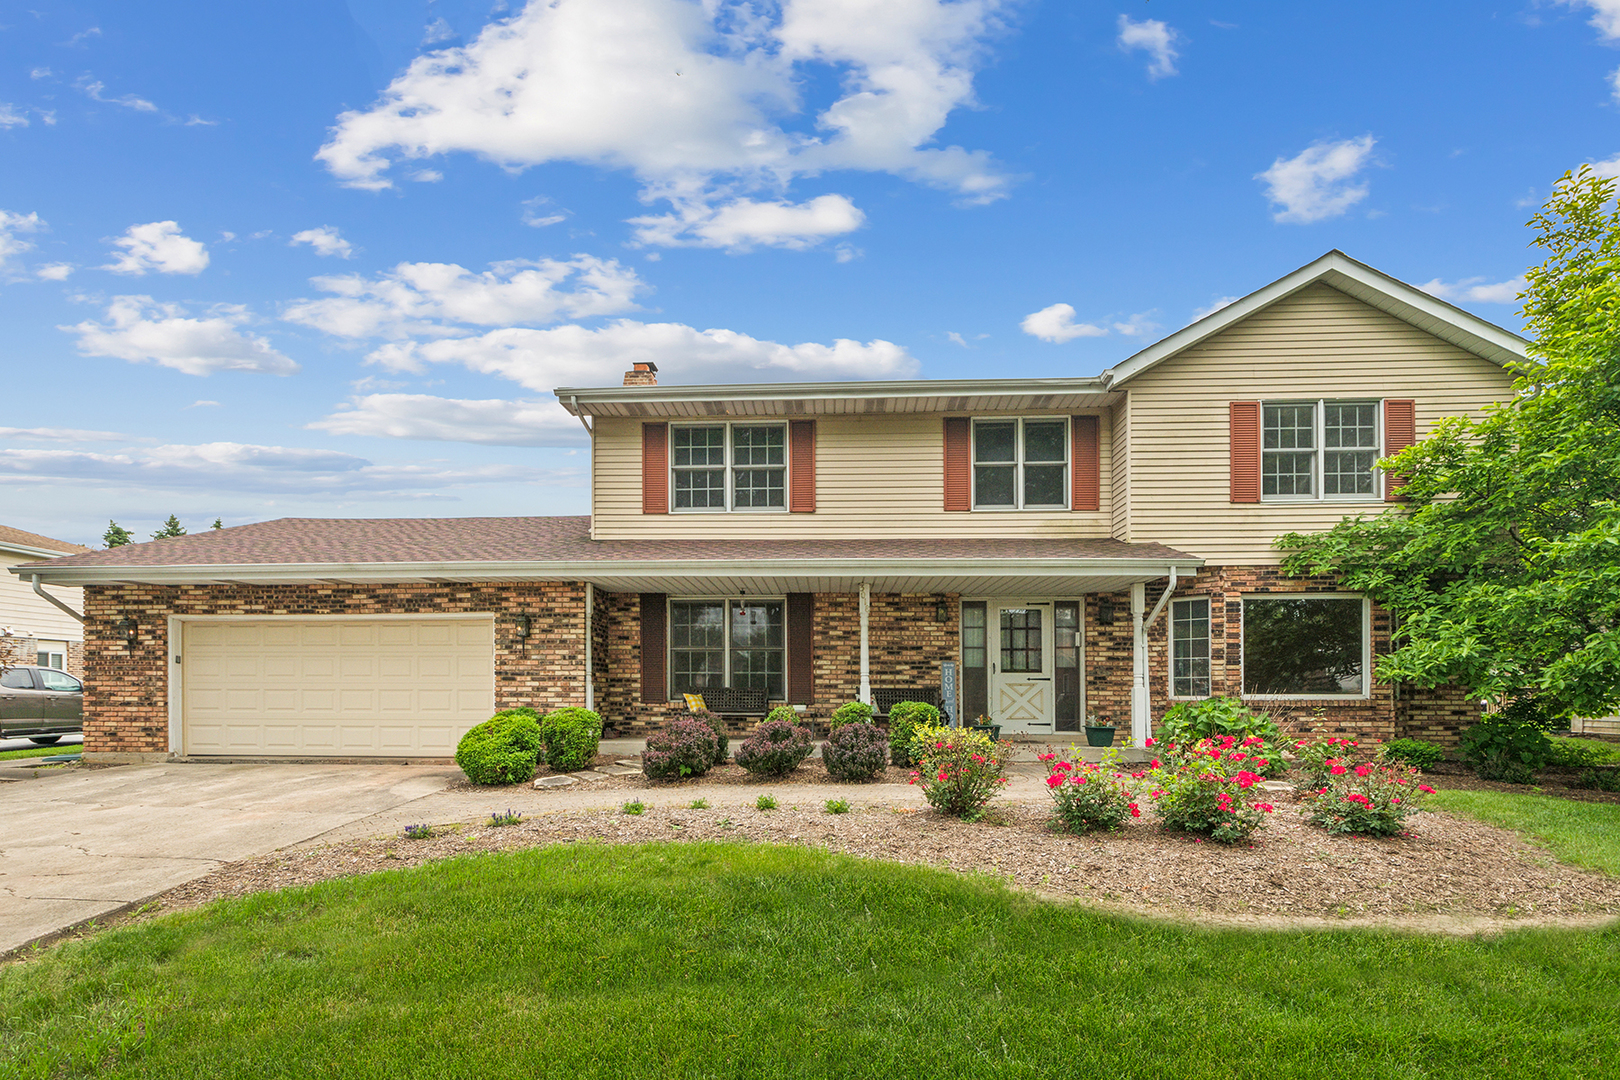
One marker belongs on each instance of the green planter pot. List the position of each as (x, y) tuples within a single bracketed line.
[(992, 730), (1099, 736)]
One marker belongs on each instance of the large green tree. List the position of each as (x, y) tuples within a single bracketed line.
[(1503, 565)]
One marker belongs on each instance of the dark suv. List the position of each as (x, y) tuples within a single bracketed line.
[(40, 703)]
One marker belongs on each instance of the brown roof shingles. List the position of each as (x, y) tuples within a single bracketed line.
[(8, 535), (327, 541)]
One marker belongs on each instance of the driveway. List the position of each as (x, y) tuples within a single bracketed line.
[(80, 845)]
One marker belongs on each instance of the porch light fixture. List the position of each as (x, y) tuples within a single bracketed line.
[(522, 627), (126, 628), (1105, 613), (942, 609)]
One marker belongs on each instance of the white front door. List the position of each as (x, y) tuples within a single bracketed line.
[(1022, 695)]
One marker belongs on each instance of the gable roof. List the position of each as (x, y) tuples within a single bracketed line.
[(1372, 287), (34, 544)]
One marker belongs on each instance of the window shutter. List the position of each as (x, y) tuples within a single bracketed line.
[(802, 467), (1400, 431), (655, 468), (1244, 420), (654, 646), (1086, 478), (801, 657), (958, 463)]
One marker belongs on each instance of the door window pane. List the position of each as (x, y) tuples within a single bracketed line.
[(697, 646), (17, 679), (1304, 646), (975, 661), (1021, 639), (1189, 660), (1066, 656)]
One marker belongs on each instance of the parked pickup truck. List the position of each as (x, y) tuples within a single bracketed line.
[(40, 703)]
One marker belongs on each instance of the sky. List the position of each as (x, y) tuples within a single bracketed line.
[(316, 258)]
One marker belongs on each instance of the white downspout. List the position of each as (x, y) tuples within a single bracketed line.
[(1141, 713), (590, 674), (866, 660), (47, 596)]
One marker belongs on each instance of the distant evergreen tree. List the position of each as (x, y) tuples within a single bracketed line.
[(218, 524), (172, 527), (116, 535)]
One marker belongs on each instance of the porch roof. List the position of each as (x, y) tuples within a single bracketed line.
[(371, 550)]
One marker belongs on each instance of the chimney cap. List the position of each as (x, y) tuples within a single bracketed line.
[(644, 365)]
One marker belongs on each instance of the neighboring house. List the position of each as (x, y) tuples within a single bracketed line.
[(41, 632), (1088, 546)]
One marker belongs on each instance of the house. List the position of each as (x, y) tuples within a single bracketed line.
[(42, 626), (1074, 547)]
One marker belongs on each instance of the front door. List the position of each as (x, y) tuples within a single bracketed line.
[(1022, 695)]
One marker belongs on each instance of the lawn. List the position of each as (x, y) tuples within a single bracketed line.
[(39, 751), (1583, 833), (729, 960)]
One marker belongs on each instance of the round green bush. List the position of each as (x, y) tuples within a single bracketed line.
[(904, 719), (505, 749), (685, 748), (786, 714), (1416, 752), (774, 749), (717, 725), (570, 737), (855, 752), (1505, 750), (852, 712)]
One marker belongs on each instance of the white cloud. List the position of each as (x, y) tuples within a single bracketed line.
[(701, 102), (12, 224), (1216, 305), (419, 298), (536, 215), (744, 223), (96, 91), (1605, 16), (53, 271), (141, 331), (325, 240), (1138, 325), (575, 356), (1056, 324), (1608, 169), (203, 404), (40, 73), (437, 31), (1477, 290), (10, 117), (492, 422), (60, 434), (1316, 183), (160, 246), (1154, 38)]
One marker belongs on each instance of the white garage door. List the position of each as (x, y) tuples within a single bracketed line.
[(335, 687)]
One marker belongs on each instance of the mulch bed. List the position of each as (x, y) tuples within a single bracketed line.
[(1554, 782)]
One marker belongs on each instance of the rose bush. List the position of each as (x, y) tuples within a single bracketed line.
[(1366, 799), (1087, 797), (959, 770), (1208, 788)]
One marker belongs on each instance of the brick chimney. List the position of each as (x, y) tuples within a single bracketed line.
[(643, 373)]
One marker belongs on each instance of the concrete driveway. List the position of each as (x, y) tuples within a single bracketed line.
[(76, 845)]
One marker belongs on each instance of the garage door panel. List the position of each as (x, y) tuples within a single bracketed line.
[(306, 687)]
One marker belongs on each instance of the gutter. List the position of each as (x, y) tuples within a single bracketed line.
[(47, 596), (1164, 598)]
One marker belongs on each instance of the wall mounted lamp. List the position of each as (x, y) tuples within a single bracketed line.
[(522, 626), (126, 628), (942, 609)]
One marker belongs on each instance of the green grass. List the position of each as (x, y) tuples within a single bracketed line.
[(1583, 833), (717, 960), (39, 751)]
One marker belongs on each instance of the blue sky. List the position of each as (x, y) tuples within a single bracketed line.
[(316, 258)]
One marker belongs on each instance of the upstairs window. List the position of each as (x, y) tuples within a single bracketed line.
[(1318, 449), (729, 466), (1021, 464)]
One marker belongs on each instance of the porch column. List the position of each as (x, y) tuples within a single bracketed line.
[(1140, 721), (866, 660)]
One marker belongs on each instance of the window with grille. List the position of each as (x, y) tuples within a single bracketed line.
[(1319, 449), (1021, 639), (729, 466), (1021, 464), (1189, 648), (739, 643)]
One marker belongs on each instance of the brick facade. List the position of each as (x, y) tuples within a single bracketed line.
[(24, 650), (126, 704)]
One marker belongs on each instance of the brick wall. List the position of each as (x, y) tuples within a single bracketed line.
[(24, 650), (1438, 715), (126, 687)]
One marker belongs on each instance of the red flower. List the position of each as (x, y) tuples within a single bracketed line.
[(1339, 770), (1156, 763), (1363, 770), (1426, 789), (1136, 811), (1055, 780), (1148, 743), (1046, 757)]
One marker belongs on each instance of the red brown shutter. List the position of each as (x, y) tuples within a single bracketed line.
[(1400, 431), (655, 468), (958, 463), (802, 467), (1086, 475), (654, 646), (801, 657), (1245, 445)]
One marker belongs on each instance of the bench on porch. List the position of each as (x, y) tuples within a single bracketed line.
[(728, 701), (887, 698)]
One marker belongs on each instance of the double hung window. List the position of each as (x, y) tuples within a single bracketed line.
[(1021, 464), (1189, 648), (1319, 449), (1312, 645), (729, 466), (736, 643)]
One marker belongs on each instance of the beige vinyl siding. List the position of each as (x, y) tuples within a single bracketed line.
[(26, 615), (1318, 343), (876, 476), (1119, 490)]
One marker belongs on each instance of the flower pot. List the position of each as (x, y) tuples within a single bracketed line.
[(1099, 736), (992, 730)]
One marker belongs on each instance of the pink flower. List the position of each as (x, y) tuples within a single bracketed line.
[(1064, 765), (1426, 789), (1046, 757), (1055, 780), (942, 775), (1136, 811), (1156, 763), (1148, 743), (1261, 762), (1238, 757), (1339, 770), (1255, 740), (1264, 807), (1363, 770)]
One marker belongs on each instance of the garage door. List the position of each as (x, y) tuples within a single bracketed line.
[(335, 687)]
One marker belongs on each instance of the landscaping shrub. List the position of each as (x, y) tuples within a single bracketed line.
[(1190, 722), (1312, 757), (684, 748), (1370, 799), (1597, 779), (1205, 788), (717, 725), (852, 712), (837, 806), (786, 714), (1423, 755), (1577, 753), (960, 770), (1506, 750), (903, 721), (855, 752), (570, 738), (1086, 797), (774, 749), (505, 749)]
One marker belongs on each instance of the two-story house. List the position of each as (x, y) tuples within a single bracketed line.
[(1073, 547), (41, 627)]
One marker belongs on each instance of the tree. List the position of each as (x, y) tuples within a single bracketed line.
[(170, 528), (218, 524), (1503, 565), (116, 535)]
